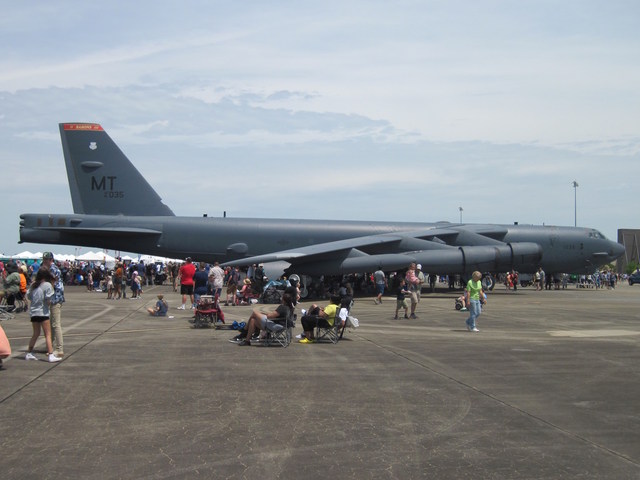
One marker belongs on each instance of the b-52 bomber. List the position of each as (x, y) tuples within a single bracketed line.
[(116, 208)]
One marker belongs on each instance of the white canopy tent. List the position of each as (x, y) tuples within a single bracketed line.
[(153, 259), (91, 256), (26, 255), (37, 256), (101, 257), (64, 257)]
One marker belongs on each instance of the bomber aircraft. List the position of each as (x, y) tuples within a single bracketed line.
[(116, 208)]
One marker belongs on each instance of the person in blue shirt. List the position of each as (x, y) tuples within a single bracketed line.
[(161, 308)]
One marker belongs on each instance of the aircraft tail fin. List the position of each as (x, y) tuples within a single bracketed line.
[(102, 180)]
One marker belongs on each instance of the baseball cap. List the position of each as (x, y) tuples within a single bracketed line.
[(47, 256)]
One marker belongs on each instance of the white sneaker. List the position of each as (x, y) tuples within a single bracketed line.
[(30, 356), (53, 358), (181, 307), (475, 330)]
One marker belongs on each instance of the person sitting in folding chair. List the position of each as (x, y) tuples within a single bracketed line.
[(316, 316), (245, 293), (264, 321), (10, 286)]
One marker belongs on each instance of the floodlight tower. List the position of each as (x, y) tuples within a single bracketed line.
[(575, 203)]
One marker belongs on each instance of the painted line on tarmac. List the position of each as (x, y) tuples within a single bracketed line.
[(592, 333)]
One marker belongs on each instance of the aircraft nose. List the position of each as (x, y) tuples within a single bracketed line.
[(616, 250)]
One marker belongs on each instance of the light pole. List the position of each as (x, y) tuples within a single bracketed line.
[(460, 208), (575, 203)]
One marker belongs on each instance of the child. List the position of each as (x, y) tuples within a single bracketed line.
[(401, 301), (136, 287), (40, 294), (461, 303), (138, 281), (160, 309), (110, 295)]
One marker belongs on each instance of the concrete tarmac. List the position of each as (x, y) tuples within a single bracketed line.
[(548, 389)]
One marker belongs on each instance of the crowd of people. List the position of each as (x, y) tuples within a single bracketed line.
[(560, 281), (39, 287)]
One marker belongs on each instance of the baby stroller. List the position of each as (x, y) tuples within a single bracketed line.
[(208, 312), (273, 291), (459, 304)]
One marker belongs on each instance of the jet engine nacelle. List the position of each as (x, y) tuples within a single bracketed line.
[(484, 258), (526, 256)]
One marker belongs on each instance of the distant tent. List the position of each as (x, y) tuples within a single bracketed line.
[(95, 257), (101, 257), (88, 257), (153, 259), (26, 255)]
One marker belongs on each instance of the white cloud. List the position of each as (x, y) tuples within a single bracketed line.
[(425, 105)]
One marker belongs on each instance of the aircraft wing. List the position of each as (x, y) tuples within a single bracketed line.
[(93, 232), (430, 238), (311, 252), (111, 231), (442, 249)]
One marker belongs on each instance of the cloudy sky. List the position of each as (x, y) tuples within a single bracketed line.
[(371, 110)]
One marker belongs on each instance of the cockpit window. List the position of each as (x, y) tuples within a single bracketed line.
[(596, 234)]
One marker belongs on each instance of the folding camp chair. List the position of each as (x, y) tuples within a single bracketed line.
[(207, 312), (335, 332), (6, 312), (281, 336)]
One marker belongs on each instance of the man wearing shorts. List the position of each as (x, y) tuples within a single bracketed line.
[(381, 282), (187, 272)]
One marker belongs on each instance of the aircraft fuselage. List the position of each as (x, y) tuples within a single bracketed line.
[(564, 249)]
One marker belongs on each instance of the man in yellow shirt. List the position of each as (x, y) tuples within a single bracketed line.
[(316, 316)]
